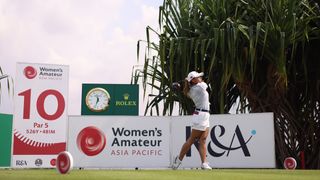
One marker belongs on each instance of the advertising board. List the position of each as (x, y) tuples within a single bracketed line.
[(40, 114)]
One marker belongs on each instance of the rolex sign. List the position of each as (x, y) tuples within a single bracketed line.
[(110, 99)]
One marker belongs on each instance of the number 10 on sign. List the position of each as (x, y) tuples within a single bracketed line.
[(40, 107)]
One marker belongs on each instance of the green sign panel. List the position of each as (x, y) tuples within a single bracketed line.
[(5, 139), (110, 99)]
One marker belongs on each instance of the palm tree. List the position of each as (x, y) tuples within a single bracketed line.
[(260, 55), (8, 84)]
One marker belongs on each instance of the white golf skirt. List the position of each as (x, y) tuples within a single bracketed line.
[(200, 120)]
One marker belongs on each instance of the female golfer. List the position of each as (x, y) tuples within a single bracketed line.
[(196, 89)]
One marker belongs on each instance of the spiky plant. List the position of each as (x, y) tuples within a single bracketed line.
[(8, 84)]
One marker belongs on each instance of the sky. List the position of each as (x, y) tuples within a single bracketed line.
[(96, 38)]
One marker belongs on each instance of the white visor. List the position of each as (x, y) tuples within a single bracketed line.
[(193, 74)]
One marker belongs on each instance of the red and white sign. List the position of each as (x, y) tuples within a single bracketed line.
[(119, 141), (40, 114)]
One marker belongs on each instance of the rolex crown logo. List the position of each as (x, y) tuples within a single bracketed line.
[(126, 96)]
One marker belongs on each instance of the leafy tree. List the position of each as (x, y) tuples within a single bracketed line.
[(260, 55)]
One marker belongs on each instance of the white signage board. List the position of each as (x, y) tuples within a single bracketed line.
[(40, 114), (234, 141), (119, 141)]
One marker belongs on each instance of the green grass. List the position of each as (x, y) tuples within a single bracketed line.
[(219, 174)]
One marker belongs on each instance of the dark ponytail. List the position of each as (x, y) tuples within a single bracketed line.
[(186, 88)]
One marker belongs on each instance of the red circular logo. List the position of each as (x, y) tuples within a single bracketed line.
[(64, 162), (290, 163), (91, 141), (30, 72), (53, 162)]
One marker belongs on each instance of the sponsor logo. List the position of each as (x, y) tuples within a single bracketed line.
[(126, 96), (53, 162), (125, 142), (21, 163), (91, 141), (38, 162), (217, 148), (44, 73), (50, 73), (126, 101), (147, 142), (136, 142), (30, 72)]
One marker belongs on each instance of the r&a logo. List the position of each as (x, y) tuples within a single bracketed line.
[(21, 163), (226, 148)]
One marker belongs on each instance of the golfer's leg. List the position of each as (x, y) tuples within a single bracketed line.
[(202, 145), (187, 145)]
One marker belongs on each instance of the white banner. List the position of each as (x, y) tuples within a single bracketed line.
[(119, 141), (40, 114), (234, 141)]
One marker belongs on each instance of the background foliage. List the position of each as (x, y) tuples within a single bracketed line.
[(257, 55), (8, 82)]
